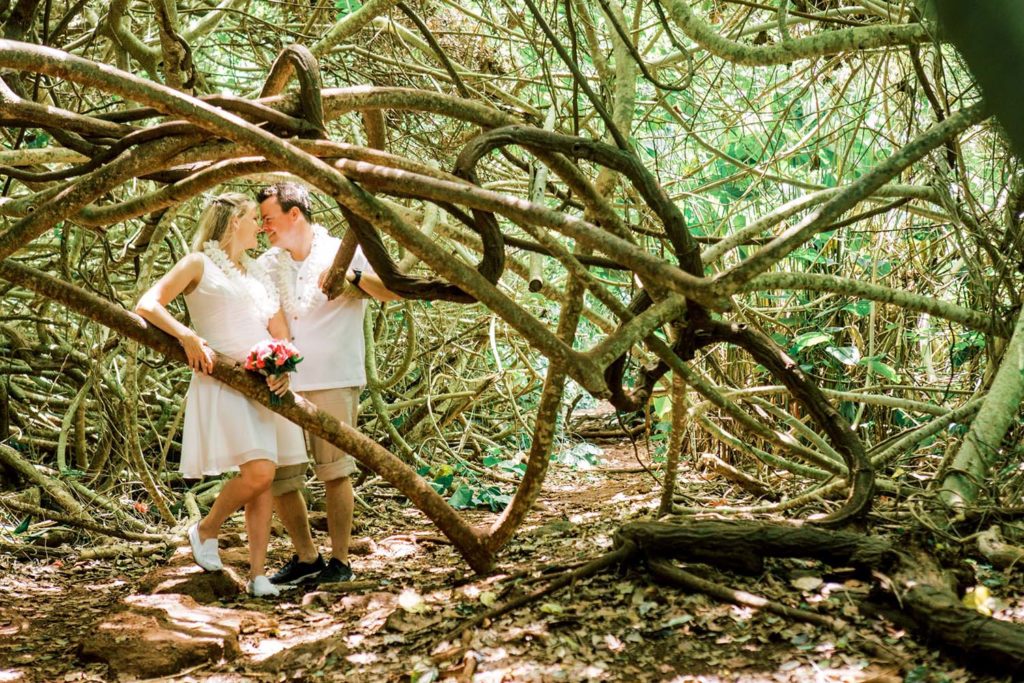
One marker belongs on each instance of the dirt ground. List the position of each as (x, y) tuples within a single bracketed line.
[(616, 626)]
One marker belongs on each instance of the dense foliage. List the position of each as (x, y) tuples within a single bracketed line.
[(899, 308)]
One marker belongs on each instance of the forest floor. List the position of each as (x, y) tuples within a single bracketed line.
[(412, 590)]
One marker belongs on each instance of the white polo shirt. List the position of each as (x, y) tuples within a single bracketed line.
[(328, 334)]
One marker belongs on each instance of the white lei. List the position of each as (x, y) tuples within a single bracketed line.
[(300, 292), (258, 287)]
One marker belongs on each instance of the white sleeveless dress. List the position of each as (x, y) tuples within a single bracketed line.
[(223, 428)]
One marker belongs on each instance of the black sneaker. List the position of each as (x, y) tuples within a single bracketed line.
[(336, 571), (294, 572)]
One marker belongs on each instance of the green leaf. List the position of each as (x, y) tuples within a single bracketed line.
[(847, 355), (580, 456), (809, 339), (493, 498), (462, 498), (810, 256), (880, 368), (345, 7), (444, 481), (860, 307), (881, 267), (23, 527), (424, 673), (37, 140), (662, 406), (918, 675)]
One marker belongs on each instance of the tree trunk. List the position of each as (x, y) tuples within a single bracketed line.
[(981, 446)]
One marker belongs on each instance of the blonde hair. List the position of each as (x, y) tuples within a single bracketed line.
[(217, 215)]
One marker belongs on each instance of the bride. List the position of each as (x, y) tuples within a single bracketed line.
[(233, 305)]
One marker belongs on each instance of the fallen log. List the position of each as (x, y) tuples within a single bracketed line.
[(742, 546), (912, 578), (983, 642), (997, 551)]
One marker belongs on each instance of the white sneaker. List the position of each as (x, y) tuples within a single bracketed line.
[(260, 587), (204, 552)]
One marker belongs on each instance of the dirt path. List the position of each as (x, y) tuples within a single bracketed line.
[(612, 627)]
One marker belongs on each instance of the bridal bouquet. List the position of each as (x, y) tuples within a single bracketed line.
[(271, 358)]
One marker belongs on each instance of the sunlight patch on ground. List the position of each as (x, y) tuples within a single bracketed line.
[(114, 583), (268, 647), (179, 613), (396, 548), (363, 658), (15, 585), (535, 671), (580, 518)]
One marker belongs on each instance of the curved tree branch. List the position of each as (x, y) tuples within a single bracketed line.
[(828, 43)]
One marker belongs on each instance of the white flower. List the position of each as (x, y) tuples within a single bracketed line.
[(255, 281), (298, 283)]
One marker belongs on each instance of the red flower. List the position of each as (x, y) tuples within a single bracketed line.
[(273, 357)]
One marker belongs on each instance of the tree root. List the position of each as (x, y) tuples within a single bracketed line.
[(669, 573), (43, 513), (740, 478), (912, 579), (54, 488), (596, 565)]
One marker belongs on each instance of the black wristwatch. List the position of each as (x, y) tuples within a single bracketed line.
[(357, 275)]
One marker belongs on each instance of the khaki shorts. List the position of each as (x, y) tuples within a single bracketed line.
[(329, 463)]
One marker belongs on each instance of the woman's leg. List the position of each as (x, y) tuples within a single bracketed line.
[(254, 479), (257, 523)]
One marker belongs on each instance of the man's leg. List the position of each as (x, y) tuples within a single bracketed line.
[(335, 467), (340, 503), (291, 509)]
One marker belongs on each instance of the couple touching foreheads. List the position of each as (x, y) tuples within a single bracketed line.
[(235, 302)]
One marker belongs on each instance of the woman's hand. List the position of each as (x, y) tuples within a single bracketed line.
[(278, 383), (200, 355)]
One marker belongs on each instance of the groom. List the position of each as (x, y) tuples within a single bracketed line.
[(329, 334)]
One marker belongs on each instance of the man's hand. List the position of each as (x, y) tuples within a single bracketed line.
[(350, 291)]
